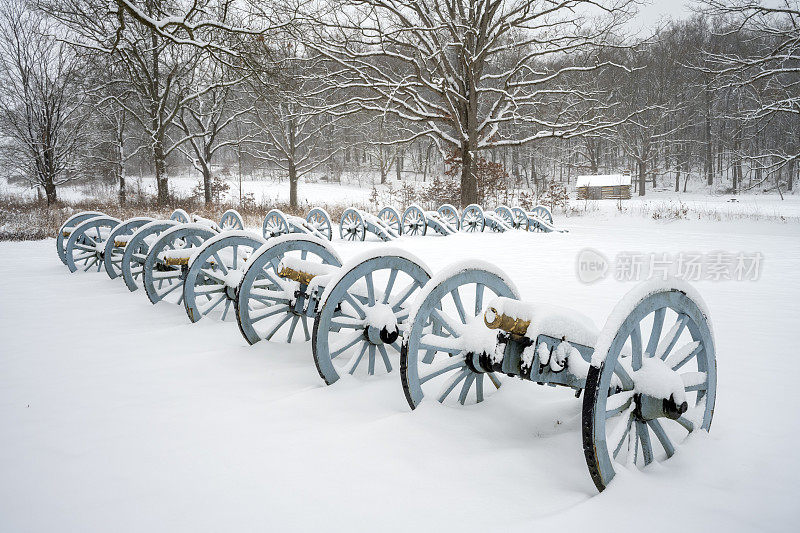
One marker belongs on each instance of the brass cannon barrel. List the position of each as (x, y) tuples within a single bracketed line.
[(495, 320), (304, 278)]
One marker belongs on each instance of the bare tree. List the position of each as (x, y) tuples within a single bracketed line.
[(211, 116), (460, 69), (39, 99), (767, 69)]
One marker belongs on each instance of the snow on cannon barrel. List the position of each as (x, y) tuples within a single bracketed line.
[(648, 378)]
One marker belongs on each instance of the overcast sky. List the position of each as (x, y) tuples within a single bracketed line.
[(651, 13)]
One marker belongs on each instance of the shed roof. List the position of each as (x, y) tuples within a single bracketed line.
[(603, 180)]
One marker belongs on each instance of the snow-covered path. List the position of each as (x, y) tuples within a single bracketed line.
[(117, 415)]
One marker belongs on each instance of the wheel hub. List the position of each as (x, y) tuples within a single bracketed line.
[(649, 407)]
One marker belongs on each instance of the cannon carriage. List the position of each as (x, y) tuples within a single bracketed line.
[(296, 288), (417, 221), (648, 378), (356, 223), (317, 223)]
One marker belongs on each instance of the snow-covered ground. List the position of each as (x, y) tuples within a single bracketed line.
[(120, 416)]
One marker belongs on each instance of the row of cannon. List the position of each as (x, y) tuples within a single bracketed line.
[(389, 224), (648, 378)]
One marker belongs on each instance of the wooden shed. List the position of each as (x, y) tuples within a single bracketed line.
[(604, 186)]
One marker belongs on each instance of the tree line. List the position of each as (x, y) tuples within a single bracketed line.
[(549, 89)]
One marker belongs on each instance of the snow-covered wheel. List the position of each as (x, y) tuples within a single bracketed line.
[(321, 221), (414, 222), (446, 324), (66, 229), (231, 220), (363, 310), (540, 212), (266, 304), (637, 394), (167, 262), (116, 243), (216, 270), (520, 218), (450, 215), (275, 224), (86, 244), (352, 226), (180, 216), (135, 253), (505, 214), (472, 219), (392, 219)]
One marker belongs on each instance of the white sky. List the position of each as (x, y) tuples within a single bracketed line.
[(650, 14)]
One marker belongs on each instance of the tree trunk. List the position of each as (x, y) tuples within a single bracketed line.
[(790, 176), (642, 176), (159, 159), (292, 185), (50, 191), (709, 160), (469, 183), (123, 197), (398, 164)]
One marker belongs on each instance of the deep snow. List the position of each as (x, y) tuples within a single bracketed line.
[(118, 415)]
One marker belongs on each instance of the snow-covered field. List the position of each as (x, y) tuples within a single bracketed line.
[(120, 416)]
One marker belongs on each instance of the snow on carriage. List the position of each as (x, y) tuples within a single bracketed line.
[(649, 376), (317, 223), (295, 287), (356, 223), (416, 221)]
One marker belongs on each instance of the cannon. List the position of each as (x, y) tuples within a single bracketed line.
[(355, 224), (66, 230), (117, 241), (230, 219), (475, 219), (296, 288), (214, 273), (317, 223), (85, 245), (648, 378), (416, 221), (540, 219), (168, 259)]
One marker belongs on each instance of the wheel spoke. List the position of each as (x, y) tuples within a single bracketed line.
[(205, 311), (389, 286), (355, 304), (644, 438), (462, 397), (370, 288), (655, 333), (671, 338), (478, 298), (479, 388), (404, 296), (385, 357), (450, 385), (459, 305), (355, 360), (636, 347), (349, 343), (445, 366), (292, 327), (684, 354), (662, 437), (271, 311), (621, 431), (278, 326), (446, 321)]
